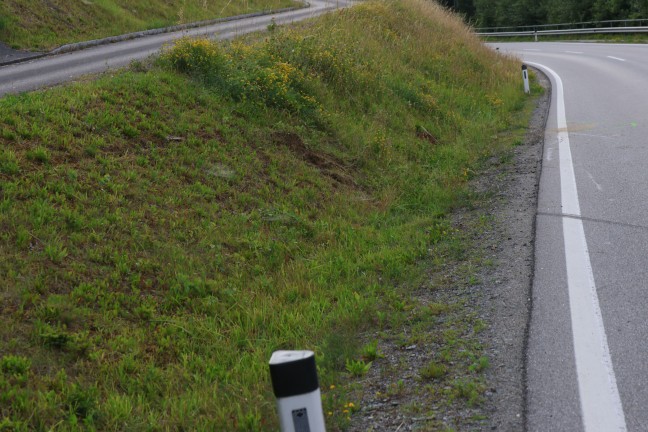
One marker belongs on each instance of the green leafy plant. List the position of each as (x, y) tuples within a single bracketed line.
[(433, 370), (12, 365), (357, 367), (370, 351), (481, 364), (39, 154)]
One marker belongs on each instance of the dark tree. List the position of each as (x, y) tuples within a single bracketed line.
[(500, 13)]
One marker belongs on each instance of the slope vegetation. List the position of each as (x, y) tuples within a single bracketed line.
[(165, 229), (45, 24)]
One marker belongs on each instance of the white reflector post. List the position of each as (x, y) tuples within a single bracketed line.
[(525, 77), (295, 385)]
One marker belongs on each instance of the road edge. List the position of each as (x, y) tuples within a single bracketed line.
[(507, 288)]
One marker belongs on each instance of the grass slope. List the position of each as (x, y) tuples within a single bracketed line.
[(164, 230), (45, 24)]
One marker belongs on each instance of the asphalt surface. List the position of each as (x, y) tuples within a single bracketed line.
[(57, 69), (9, 55), (588, 339)]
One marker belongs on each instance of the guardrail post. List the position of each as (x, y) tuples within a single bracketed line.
[(525, 77), (535, 35), (296, 387)]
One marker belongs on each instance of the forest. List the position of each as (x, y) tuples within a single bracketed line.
[(493, 13)]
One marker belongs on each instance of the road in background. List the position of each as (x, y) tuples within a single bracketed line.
[(58, 69), (588, 339)]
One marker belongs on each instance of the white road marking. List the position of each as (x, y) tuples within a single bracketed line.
[(616, 58), (601, 406), (574, 52)]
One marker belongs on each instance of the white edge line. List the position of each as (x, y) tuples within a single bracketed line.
[(601, 406), (615, 58)]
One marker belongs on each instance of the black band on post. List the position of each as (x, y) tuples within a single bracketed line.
[(293, 373)]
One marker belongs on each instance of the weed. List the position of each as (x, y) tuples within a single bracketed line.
[(39, 154), (15, 366), (468, 389), (272, 26), (480, 365), (437, 308), (8, 162), (81, 402), (358, 368), (370, 351), (433, 370), (55, 251), (396, 388)]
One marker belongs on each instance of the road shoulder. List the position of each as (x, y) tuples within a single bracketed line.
[(506, 294), (500, 223)]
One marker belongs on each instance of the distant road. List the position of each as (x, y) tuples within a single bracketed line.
[(58, 69), (587, 360)]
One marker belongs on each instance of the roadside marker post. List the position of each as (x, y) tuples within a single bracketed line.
[(525, 77), (296, 387)]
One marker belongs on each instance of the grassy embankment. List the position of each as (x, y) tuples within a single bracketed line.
[(42, 25), (162, 231)]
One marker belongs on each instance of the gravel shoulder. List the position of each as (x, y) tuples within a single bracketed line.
[(506, 298), (394, 395)]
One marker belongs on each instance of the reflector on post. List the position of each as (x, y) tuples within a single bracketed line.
[(525, 77), (296, 387)]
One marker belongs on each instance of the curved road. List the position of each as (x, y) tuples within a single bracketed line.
[(587, 360), (66, 67)]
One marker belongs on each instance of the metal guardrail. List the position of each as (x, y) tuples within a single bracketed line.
[(590, 27), (537, 33)]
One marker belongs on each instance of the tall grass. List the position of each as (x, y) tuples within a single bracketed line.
[(164, 231)]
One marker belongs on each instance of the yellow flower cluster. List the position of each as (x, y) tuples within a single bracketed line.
[(278, 78), (191, 54), (245, 72)]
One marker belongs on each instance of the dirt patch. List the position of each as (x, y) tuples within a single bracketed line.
[(396, 395), (425, 135), (329, 165)]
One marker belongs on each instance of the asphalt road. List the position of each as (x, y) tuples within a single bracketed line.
[(587, 367), (58, 69)]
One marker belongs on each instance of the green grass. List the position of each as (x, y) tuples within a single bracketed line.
[(163, 231), (39, 25)]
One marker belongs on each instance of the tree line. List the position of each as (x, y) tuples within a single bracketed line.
[(495, 13)]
